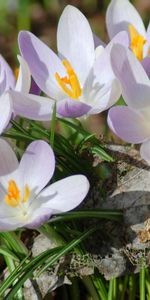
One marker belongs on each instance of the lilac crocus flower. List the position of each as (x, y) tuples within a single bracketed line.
[(122, 15), (15, 98), (131, 123), (80, 78), (26, 199)]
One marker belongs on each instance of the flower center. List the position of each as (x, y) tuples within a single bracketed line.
[(13, 197), (69, 84), (137, 42)]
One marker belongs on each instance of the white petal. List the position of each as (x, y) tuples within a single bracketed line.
[(37, 165), (5, 111), (120, 14), (8, 159), (32, 106), (64, 195), (145, 151), (134, 80), (75, 41), (24, 77)]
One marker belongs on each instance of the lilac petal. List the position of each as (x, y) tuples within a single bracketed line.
[(32, 106), (8, 159), (105, 97), (39, 217), (97, 41), (9, 226), (43, 63), (128, 124), (75, 41), (3, 84), (5, 111), (132, 76), (24, 77), (37, 165), (148, 33), (34, 88), (121, 13), (72, 108), (65, 194), (102, 67), (145, 151), (10, 78), (146, 65)]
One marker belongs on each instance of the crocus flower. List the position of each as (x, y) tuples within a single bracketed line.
[(131, 123), (80, 79), (122, 15), (15, 98), (26, 199)]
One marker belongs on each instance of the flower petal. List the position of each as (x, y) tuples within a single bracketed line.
[(105, 97), (146, 65), (32, 106), (72, 108), (34, 88), (128, 124), (145, 151), (148, 33), (8, 159), (64, 195), (75, 41), (43, 63), (10, 78), (132, 76), (102, 67), (3, 84), (37, 165), (121, 13), (24, 77), (5, 111)]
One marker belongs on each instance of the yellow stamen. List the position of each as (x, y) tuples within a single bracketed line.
[(13, 197), (137, 42), (16, 73), (26, 194), (75, 90)]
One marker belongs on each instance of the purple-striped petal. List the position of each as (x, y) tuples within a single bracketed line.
[(37, 165), (34, 88), (132, 76), (146, 65), (24, 77), (72, 108), (129, 125), (8, 159), (10, 78), (32, 106), (43, 63)]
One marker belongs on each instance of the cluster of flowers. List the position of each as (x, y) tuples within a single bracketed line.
[(85, 78)]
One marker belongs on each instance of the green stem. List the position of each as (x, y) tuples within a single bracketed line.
[(11, 266), (51, 234), (110, 291), (12, 240), (142, 283), (132, 287), (91, 288)]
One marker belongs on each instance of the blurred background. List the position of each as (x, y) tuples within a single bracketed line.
[(41, 17)]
